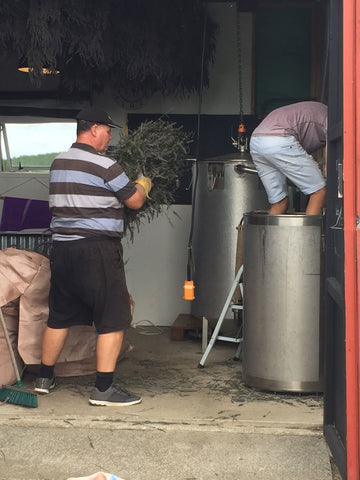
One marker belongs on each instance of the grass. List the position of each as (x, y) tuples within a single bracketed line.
[(40, 160)]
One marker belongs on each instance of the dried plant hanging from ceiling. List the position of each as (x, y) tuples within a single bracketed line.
[(131, 46)]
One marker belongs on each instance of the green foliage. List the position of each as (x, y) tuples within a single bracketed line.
[(136, 47), (157, 149)]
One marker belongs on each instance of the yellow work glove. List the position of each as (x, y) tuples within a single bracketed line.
[(146, 183)]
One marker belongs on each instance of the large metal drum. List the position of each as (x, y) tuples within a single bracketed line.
[(282, 349), (223, 195)]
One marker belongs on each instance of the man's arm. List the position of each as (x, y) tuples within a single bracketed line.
[(136, 200), (143, 186)]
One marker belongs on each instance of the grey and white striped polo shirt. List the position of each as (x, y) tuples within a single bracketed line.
[(87, 191)]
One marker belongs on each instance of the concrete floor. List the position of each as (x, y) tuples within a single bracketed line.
[(193, 424)]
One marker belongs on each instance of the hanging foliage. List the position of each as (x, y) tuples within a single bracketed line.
[(133, 46), (157, 149)]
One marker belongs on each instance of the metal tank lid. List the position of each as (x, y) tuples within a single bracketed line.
[(236, 157), (286, 219)]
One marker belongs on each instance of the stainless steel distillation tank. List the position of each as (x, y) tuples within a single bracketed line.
[(282, 349), (224, 192)]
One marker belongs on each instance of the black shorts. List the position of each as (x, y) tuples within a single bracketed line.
[(88, 285)]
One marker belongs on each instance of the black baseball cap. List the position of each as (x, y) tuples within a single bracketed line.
[(96, 115)]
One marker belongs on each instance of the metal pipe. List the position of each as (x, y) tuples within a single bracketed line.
[(245, 169)]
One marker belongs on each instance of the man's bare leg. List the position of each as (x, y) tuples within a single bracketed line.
[(279, 208), (108, 348), (105, 392), (52, 344), (317, 201)]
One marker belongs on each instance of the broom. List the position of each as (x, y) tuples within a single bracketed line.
[(15, 394)]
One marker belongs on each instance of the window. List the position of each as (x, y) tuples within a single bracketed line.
[(33, 146)]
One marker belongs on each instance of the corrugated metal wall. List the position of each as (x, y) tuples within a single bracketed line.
[(38, 242)]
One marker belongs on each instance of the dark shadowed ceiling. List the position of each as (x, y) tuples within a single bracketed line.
[(132, 46)]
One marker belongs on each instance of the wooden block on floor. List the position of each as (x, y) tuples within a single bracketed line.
[(183, 323)]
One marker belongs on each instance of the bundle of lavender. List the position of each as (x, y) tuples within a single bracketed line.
[(157, 149)]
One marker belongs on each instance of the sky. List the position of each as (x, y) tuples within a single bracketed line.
[(34, 138)]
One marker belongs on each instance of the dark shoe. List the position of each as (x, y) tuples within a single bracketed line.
[(44, 385), (114, 396)]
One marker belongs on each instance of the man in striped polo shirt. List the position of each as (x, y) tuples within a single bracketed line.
[(88, 191)]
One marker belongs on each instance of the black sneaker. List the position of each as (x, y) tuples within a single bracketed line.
[(44, 385), (115, 396)]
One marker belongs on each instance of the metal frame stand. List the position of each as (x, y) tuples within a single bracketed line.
[(5, 162), (228, 303)]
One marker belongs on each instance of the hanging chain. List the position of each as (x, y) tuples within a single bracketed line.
[(241, 142), (239, 53)]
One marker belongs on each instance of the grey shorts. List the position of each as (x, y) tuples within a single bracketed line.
[(88, 285), (277, 158)]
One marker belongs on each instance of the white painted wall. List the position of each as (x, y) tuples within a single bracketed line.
[(155, 265), (157, 259)]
